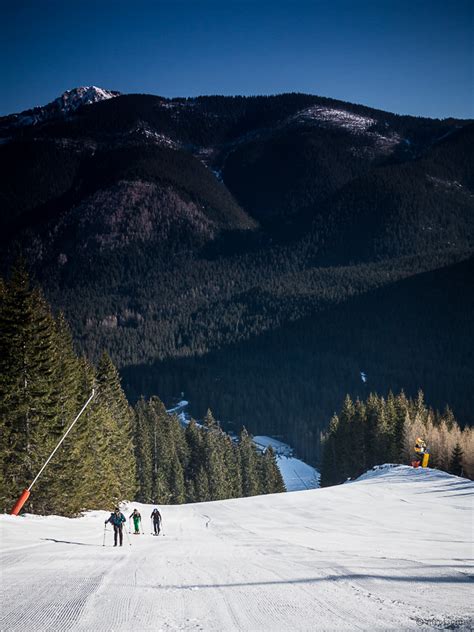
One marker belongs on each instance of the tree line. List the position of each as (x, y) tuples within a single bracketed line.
[(198, 462), (115, 452), (384, 430)]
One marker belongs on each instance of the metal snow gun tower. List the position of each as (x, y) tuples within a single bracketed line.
[(26, 493), (422, 455)]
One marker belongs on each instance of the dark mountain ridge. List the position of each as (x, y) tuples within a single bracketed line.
[(169, 228)]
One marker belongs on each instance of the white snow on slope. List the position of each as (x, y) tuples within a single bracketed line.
[(355, 124), (335, 117), (391, 552), (178, 408), (144, 130), (297, 475)]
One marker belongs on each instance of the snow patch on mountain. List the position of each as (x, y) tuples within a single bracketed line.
[(445, 184), (178, 409), (144, 130), (178, 105), (355, 124), (334, 117)]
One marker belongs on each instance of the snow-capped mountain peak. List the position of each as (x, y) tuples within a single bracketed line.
[(84, 95), (63, 105)]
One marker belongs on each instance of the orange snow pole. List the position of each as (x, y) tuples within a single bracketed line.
[(20, 502), (26, 493)]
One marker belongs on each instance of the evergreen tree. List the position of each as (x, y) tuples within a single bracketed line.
[(111, 395), (178, 440), (249, 465), (195, 451), (401, 413), (358, 452), (233, 463), (371, 434), (160, 449), (213, 453), (29, 367), (329, 467), (93, 474), (202, 486), (456, 465), (143, 453), (271, 478), (345, 438), (163, 450), (209, 422), (63, 478), (176, 483)]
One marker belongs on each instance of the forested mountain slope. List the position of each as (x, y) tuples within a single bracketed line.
[(172, 228), (415, 333)]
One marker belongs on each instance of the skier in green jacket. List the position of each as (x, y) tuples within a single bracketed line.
[(136, 521)]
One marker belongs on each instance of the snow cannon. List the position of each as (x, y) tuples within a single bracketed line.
[(20, 502), (422, 455), (26, 493)]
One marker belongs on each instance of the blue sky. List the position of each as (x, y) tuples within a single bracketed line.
[(408, 57)]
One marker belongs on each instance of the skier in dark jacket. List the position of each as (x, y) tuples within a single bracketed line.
[(156, 517), (117, 519)]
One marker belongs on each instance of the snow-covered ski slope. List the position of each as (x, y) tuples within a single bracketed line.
[(296, 474), (392, 551)]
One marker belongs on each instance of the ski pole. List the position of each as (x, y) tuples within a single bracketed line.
[(128, 537), (105, 531)]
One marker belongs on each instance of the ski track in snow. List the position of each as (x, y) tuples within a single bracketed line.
[(391, 551)]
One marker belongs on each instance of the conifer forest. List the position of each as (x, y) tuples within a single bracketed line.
[(116, 452), (385, 430)]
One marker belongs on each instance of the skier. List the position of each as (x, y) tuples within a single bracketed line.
[(117, 519), (156, 517), (136, 521)]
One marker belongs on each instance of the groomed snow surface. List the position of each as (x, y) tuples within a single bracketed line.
[(391, 551)]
